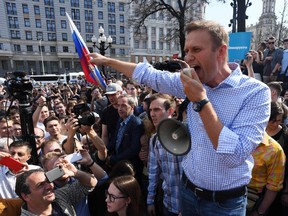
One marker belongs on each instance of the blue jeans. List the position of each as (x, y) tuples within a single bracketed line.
[(191, 205)]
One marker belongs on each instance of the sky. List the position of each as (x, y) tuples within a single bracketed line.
[(222, 13)]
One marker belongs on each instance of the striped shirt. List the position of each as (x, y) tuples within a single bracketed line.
[(164, 165), (243, 106), (269, 166)]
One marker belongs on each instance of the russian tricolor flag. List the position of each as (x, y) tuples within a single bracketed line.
[(92, 76)]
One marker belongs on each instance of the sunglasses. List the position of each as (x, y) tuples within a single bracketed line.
[(271, 42)]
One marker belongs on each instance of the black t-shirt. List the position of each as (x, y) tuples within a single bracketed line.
[(110, 117)]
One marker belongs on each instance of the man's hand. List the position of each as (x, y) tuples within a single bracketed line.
[(86, 158), (193, 87), (248, 60), (151, 210), (97, 59), (72, 126)]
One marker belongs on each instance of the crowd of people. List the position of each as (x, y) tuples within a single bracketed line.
[(237, 124)]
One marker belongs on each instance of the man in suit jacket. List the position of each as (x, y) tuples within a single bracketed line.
[(125, 144)]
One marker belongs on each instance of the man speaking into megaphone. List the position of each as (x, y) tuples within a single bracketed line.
[(226, 116)]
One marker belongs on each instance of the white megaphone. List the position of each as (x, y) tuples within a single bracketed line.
[(174, 136)]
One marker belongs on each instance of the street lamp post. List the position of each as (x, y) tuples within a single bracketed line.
[(43, 68), (102, 45)]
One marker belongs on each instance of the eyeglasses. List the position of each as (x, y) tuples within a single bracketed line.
[(112, 197), (271, 42)]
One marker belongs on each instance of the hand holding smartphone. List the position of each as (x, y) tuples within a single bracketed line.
[(76, 156), (54, 174), (12, 164)]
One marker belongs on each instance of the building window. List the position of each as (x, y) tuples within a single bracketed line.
[(161, 32), (64, 37), (161, 45), (36, 10), (111, 30), (112, 51), (13, 22), (89, 27), (65, 49), (17, 47), (62, 11), (41, 48), (27, 22), (153, 44), (122, 40), (63, 24), (15, 34), (122, 30), (89, 37), (75, 14), (39, 35), (114, 40), (51, 36), (100, 3), (122, 51), (29, 48), (11, 8), (121, 18), (48, 2), (38, 23), (78, 25), (144, 44), (111, 19), (1, 46), (49, 12), (88, 15), (87, 3), (25, 8), (100, 15), (74, 3), (53, 49), (168, 46), (111, 7), (28, 35), (153, 31), (61, 1), (51, 25), (136, 44), (121, 6)]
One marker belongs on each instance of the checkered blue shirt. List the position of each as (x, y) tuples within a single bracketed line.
[(164, 165), (243, 106)]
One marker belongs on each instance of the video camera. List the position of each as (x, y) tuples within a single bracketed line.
[(20, 87), (83, 114), (171, 66)]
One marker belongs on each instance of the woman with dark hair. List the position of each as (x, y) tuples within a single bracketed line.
[(124, 197)]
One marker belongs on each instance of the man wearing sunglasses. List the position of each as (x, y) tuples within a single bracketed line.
[(272, 61)]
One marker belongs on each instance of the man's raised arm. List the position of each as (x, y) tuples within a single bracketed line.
[(126, 68)]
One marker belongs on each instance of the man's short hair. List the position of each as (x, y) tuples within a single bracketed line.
[(276, 86), (50, 118), (20, 143), (217, 32), (130, 99), (21, 184), (168, 100)]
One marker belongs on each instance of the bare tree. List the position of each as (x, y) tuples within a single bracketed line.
[(179, 14), (282, 27)]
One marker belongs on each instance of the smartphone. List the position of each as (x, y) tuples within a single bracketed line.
[(76, 156), (54, 174), (12, 164), (188, 72)]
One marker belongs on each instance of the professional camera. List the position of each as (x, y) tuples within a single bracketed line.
[(83, 114), (20, 87), (171, 66)]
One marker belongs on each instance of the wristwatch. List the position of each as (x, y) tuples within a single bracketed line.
[(198, 105)]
